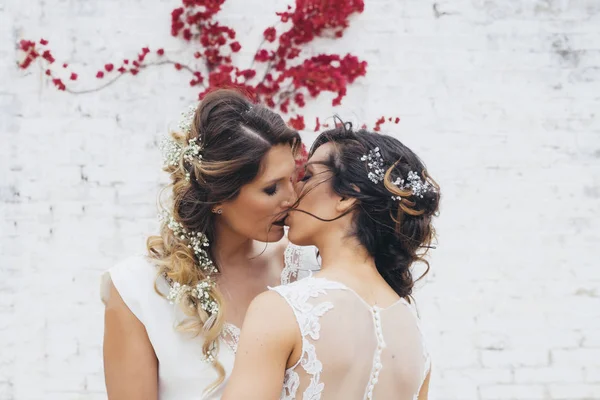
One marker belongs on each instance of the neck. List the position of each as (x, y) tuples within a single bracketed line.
[(338, 251), (230, 248)]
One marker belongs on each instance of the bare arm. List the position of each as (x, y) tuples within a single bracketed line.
[(424, 392), (130, 364), (268, 339)]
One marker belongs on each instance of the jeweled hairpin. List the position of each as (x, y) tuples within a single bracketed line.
[(375, 164), (417, 186), (376, 174)]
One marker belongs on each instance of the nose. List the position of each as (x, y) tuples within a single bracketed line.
[(291, 196)]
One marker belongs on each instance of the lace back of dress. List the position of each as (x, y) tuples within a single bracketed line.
[(352, 350)]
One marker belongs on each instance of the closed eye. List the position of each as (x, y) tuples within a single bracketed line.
[(271, 190)]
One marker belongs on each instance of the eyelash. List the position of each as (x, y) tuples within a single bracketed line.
[(271, 190), (305, 178)]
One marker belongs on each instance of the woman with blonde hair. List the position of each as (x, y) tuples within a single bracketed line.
[(222, 242)]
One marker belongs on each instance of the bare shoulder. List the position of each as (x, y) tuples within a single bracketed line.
[(115, 305), (270, 302), (270, 312)]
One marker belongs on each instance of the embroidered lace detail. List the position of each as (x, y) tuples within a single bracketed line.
[(292, 261), (231, 336), (377, 358), (307, 316)]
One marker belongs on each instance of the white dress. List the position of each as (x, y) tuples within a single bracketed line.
[(182, 373), (351, 350)]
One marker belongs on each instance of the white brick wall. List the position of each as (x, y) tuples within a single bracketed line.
[(500, 97)]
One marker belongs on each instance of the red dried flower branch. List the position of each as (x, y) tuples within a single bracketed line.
[(284, 81)]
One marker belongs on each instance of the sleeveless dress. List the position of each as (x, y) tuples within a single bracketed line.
[(182, 373), (350, 349)]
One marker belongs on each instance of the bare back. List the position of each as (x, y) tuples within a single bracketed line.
[(350, 349)]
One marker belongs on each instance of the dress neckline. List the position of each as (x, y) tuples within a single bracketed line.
[(373, 307)]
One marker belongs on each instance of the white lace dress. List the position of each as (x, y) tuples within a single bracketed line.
[(351, 350), (182, 373)]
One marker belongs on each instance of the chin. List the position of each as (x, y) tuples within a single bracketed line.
[(274, 235), (295, 237)]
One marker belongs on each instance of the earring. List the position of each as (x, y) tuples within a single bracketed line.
[(218, 211)]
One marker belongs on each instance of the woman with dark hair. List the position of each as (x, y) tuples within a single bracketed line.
[(231, 164), (350, 331)]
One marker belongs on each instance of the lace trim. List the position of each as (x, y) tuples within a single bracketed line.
[(292, 259), (307, 317), (374, 378), (231, 336)]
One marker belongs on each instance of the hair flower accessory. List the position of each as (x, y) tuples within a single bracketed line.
[(375, 164), (174, 153)]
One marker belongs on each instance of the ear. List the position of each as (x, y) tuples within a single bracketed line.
[(346, 203)]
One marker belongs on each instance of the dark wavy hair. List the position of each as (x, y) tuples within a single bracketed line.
[(395, 231)]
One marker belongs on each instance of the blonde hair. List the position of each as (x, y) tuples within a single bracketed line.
[(234, 135)]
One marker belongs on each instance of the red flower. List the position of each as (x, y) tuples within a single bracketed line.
[(48, 72), (160, 52), (73, 76), (248, 73), (109, 67), (178, 66), (134, 71), (25, 45), (378, 124), (299, 99), (48, 56), (59, 84), (270, 34), (65, 65), (284, 105), (43, 42), (297, 122), (318, 125), (122, 70), (199, 77), (262, 55), (235, 47), (293, 53), (301, 162), (100, 75), (397, 120)]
